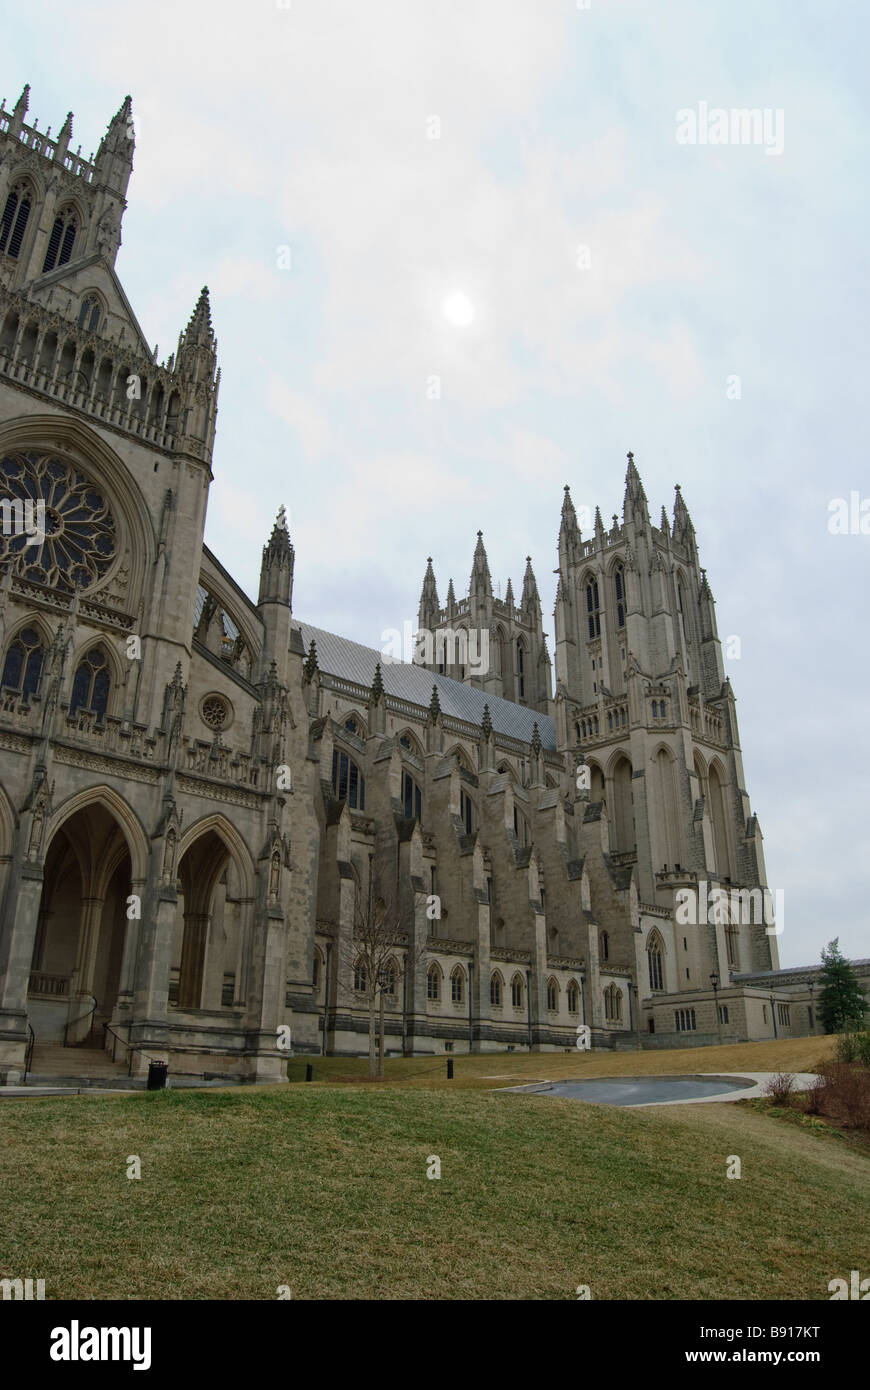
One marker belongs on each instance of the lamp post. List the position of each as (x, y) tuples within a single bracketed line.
[(383, 979), (714, 981)]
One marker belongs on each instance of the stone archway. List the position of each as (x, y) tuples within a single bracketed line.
[(81, 929)]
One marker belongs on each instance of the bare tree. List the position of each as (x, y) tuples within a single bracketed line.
[(380, 947)]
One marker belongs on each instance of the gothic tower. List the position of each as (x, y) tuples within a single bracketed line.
[(486, 641), (642, 699)]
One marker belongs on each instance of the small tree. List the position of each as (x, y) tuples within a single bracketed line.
[(380, 931), (842, 1004)]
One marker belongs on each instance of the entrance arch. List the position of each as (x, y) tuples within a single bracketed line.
[(75, 974)]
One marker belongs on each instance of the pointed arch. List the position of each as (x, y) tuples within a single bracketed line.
[(655, 955), (717, 781), (129, 823), (573, 993), (457, 984), (233, 842), (408, 740), (434, 976), (552, 995), (496, 989), (518, 986)]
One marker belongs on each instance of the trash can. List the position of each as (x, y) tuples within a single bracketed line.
[(157, 1075)]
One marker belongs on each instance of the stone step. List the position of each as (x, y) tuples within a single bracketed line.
[(51, 1060)]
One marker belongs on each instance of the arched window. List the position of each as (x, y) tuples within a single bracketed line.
[(457, 978), (573, 997), (731, 939), (521, 669), (347, 781), (61, 241), (91, 683), (619, 589), (613, 1004), (466, 812), (388, 980), (411, 797), (593, 614), (23, 665), (15, 217), (89, 313), (495, 985), (433, 983), (552, 996), (360, 977), (605, 946), (654, 959), (517, 991)]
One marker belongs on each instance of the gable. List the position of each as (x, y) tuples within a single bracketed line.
[(63, 289)]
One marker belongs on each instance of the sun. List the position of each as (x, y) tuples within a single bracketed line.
[(458, 309)]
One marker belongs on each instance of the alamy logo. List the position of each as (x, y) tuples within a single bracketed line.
[(455, 647), (714, 125), (23, 518), (721, 907), (23, 1289), (76, 1343)]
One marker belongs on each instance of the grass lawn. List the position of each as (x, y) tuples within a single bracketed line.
[(323, 1188)]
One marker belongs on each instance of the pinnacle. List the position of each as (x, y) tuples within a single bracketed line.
[(435, 703)]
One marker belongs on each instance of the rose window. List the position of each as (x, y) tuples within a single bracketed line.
[(215, 711), (56, 528)]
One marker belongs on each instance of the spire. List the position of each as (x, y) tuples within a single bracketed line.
[(377, 685), (664, 523), (531, 598), (451, 597), (19, 111), (569, 534), (310, 664), (684, 531), (276, 567), (486, 724), (536, 741), (113, 163), (599, 525), (430, 607), (481, 580), (199, 328), (635, 507), (435, 704), (63, 139), (509, 595), (197, 345)]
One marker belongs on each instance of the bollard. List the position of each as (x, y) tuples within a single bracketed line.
[(449, 1068), (309, 1071)]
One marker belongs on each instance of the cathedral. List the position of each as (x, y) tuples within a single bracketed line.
[(202, 793)]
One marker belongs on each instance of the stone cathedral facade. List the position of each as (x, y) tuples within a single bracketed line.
[(197, 789)]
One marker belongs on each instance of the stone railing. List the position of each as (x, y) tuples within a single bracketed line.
[(33, 139), (109, 734), (224, 764), (52, 986), (55, 357)]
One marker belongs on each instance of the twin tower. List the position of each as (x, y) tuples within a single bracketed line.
[(631, 599)]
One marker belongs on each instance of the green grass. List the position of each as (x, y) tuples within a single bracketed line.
[(323, 1188)]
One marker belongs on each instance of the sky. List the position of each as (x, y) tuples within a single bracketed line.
[(334, 172)]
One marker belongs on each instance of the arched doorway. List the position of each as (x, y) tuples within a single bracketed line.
[(208, 931), (75, 970)]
